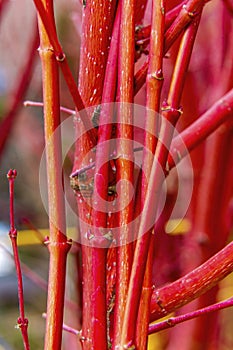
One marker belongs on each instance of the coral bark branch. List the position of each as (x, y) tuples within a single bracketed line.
[(189, 287), (199, 130), (57, 242), (153, 89), (124, 165), (97, 23)]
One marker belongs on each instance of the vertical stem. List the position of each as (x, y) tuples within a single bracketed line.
[(143, 318), (182, 62), (50, 30), (57, 242), (154, 86), (100, 192), (22, 321), (170, 116), (124, 163), (97, 22), (187, 14)]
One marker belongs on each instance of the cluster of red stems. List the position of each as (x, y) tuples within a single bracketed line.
[(127, 47)]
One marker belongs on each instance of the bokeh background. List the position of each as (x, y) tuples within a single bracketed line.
[(25, 145)]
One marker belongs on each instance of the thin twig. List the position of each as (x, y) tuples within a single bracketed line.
[(22, 321), (67, 328), (41, 104), (173, 321)]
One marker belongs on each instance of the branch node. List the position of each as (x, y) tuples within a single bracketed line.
[(13, 233), (129, 346), (60, 56), (108, 236), (170, 322), (159, 302), (100, 239), (50, 243), (46, 240), (82, 338), (168, 108), (138, 28), (158, 75), (12, 173), (89, 235), (21, 323), (190, 13)]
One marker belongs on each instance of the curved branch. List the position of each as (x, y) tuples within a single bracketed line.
[(189, 287), (198, 131)]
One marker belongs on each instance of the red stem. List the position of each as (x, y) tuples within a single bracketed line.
[(41, 104), (173, 321), (99, 254), (96, 32), (22, 321), (188, 12), (172, 14), (62, 61), (104, 133), (154, 86), (198, 131), (124, 164), (189, 287), (33, 276), (170, 116), (185, 17), (38, 280), (182, 62), (144, 32)]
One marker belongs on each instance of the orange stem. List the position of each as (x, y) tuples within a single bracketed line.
[(57, 242), (154, 85), (124, 165)]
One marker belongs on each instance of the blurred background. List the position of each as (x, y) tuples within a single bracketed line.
[(24, 145)]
